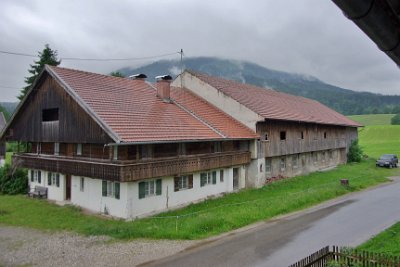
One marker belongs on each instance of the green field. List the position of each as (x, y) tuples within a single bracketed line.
[(380, 139), (372, 119)]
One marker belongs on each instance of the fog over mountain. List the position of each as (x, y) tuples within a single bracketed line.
[(342, 100)]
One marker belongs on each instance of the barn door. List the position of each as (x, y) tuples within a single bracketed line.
[(235, 178), (67, 187)]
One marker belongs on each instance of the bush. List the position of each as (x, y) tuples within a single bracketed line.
[(13, 182), (396, 119), (355, 152)]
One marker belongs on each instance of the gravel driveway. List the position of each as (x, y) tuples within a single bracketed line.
[(27, 247)]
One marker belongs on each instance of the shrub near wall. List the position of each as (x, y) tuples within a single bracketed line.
[(355, 152), (13, 182)]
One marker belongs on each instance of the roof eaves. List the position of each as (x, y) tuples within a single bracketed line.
[(178, 141), (83, 105)]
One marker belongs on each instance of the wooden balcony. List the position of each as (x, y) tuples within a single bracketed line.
[(273, 149), (125, 171)]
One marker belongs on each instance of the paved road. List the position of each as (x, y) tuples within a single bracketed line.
[(348, 221)]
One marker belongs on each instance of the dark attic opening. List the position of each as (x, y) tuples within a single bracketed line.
[(50, 114)]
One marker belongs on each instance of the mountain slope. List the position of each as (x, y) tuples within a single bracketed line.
[(342, 100)]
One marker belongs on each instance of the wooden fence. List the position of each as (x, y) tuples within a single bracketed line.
[(347, 257)]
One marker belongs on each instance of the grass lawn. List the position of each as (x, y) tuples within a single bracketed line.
[(204, 219), (372, 119), (387, 242), (380, 139), (8, 157)]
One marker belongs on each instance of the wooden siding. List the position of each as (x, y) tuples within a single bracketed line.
[(287, 147), (125, 171), (301, 137), (74, 125)]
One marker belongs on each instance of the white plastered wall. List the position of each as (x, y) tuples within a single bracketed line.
[(53, 192), (91, 197), (219, 99)]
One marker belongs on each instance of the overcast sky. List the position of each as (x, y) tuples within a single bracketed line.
[(303, 36)]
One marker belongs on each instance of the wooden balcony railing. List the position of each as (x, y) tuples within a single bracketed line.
[(131, 171), (272, 149)]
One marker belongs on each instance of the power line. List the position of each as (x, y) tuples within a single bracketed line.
[(118, 59), (8, 87), (16, 54), (92, 59)]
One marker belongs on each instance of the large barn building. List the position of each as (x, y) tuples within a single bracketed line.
[(129, 148)]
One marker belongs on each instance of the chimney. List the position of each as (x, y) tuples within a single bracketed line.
[(163, 86), (139, 77)]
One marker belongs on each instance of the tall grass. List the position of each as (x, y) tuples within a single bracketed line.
[(387, 242), (204, 219)]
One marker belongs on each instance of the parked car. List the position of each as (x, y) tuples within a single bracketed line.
[(387, 160)]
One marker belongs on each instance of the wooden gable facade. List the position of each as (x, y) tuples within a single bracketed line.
[(50, 114)]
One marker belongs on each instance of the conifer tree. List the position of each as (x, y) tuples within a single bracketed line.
[(47, 56)]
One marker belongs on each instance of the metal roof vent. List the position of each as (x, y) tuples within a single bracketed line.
[(164, 78), (139, 76)]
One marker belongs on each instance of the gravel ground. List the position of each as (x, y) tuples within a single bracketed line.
[(27, 247)]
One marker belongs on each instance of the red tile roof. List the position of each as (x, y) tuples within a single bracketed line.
[(271, 104), (134, 113), (223, 123)]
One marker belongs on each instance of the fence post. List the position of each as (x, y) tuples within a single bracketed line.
[(176, 223)]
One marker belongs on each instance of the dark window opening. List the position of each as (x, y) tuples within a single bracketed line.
[(283, 135), (301, 135), (266, 137), (324, 135), (50, 114)]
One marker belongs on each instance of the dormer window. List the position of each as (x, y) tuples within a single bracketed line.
[(50, 114)]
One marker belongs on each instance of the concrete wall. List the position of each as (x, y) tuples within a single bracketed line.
[(306, 163)]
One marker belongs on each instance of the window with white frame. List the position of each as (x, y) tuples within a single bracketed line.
[(314, 157), (82, 184), (56, 149), (79, 149), (207, 178), (110, 189), (268, 166), (295, 161), (221, 176), (183, 182), (115, 157), (283, 164), (36, 176), (150, 188), (53, 179)]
